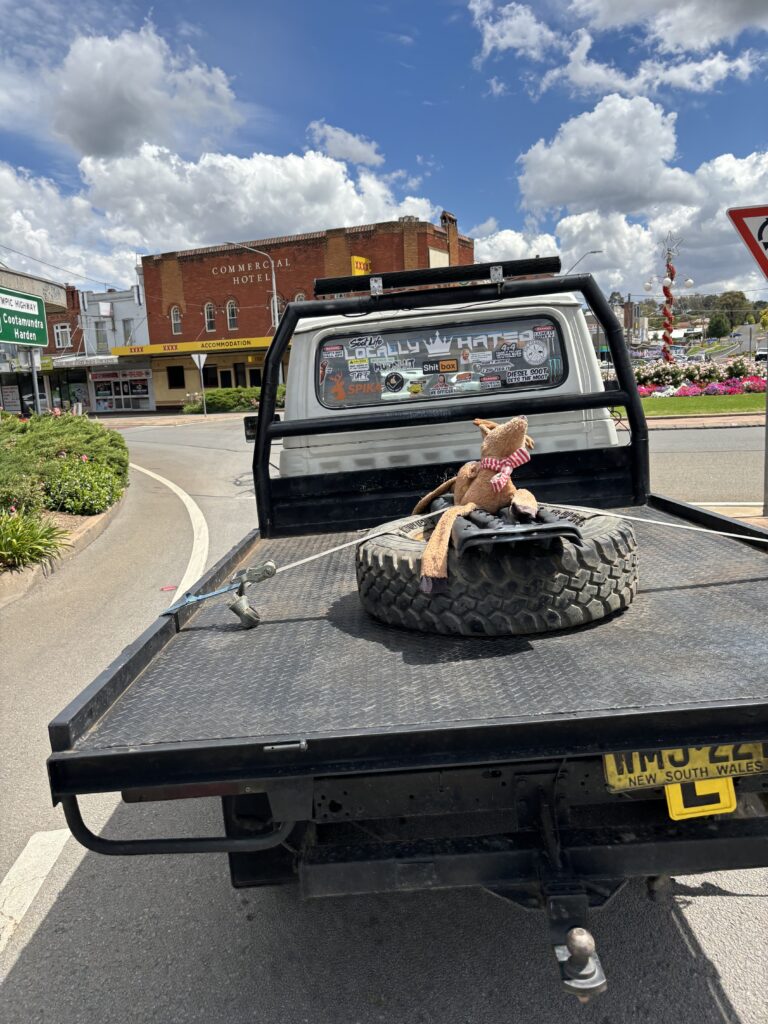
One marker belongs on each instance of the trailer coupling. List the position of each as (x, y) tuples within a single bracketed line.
[(240, 606), (574, 946)]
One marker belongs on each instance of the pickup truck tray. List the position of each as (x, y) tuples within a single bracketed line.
[(321, 688)]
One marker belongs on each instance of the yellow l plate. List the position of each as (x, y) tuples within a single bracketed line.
[(699, 799), (647, 769)]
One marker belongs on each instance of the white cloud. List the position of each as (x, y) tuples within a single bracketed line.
[(585, 76), (108, 95), (488, 227), (610, 171), (628, 249), (512, 27), (615, 156), (680, 25), (155, 200), (343, 145), (513, 245), (496, 87)]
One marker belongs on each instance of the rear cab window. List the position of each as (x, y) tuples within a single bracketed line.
[(424, 363)]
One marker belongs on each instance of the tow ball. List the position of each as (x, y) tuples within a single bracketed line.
[(574, 947), (240, 606)]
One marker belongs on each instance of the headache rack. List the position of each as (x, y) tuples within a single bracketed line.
[(327, 502), (478, 273)]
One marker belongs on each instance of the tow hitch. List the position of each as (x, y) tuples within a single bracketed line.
[(574, 946)]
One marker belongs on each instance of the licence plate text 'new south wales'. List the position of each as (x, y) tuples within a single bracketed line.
[(646, 769)]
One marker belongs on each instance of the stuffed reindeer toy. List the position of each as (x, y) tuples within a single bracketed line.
[(485, 485)]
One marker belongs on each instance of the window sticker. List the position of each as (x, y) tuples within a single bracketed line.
[(425, 363)]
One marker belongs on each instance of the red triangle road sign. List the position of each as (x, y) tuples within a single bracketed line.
[(752, 224)]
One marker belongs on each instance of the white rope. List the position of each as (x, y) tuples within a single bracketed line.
[(389, 528), (659, 522), (410, 520)]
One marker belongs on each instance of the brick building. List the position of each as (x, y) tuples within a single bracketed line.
[(219, 299)]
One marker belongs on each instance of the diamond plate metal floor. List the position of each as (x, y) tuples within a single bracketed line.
[(317, 665)]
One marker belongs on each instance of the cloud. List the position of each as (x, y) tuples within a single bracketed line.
[(585, 76), (512, 27), (624, 197), (108, 95), (496, 87), (343, 145), (628, 249), (488, 227), (513, 245), (682, 25), (154, 200), (615, 156)]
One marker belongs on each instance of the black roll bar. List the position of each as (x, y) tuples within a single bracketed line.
[(464, 295), (477, 272)]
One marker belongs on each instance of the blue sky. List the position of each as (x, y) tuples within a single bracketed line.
[(558, 125)]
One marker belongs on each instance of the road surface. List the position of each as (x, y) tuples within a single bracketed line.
[(168, 940)]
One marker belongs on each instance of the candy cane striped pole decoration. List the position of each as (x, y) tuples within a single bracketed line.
[(669, 301)]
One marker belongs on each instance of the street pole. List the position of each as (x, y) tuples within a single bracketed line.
[(34, 355), (273, 306), (202, 390)]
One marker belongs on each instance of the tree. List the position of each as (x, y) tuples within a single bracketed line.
[(735, 306), (719, 325), (750, 319), (764, 319), (616, 299)]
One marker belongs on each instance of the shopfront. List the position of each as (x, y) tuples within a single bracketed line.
[(230, 363), (121, 390)]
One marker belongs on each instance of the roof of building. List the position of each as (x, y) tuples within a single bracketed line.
[(307, 236)]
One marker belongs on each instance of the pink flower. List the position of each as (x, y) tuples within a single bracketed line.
[(83, 458)]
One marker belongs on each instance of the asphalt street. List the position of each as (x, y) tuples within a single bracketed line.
[(167, 939)]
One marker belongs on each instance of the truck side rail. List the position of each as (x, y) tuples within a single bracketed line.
[(388, 481)]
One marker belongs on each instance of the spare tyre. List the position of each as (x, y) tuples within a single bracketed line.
[(504, 590)]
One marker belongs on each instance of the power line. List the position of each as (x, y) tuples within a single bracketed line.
[(55, 266)]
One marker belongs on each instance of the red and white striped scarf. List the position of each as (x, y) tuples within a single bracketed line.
[(504, 467)]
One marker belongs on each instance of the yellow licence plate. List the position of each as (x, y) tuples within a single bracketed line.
[(647, 769)]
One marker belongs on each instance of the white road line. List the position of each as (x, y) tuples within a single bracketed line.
[(23, 881), (199, 557)]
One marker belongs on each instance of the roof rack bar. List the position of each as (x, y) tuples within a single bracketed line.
[(438, 275)]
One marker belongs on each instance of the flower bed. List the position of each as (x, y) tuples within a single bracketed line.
[(692, 380)]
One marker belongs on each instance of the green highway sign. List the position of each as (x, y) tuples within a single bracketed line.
[(22, 319)]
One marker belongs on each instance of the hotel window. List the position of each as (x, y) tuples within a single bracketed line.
[(62, 336), (128, 331), (232, 315), (176, 378), (210, 317), (175, 319)]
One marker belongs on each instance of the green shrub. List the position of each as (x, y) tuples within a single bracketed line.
[(232, 400), (30, 447), (81, 488), (26, 538), (20, 492)]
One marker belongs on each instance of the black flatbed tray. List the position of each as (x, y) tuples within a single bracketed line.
[(320, 688)]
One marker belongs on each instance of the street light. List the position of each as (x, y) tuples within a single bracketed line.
[(273, 301), (592, 252)]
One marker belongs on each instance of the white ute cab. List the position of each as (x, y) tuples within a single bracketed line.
[(440, 356)]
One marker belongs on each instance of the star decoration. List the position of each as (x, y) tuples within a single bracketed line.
[(671, 245)]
